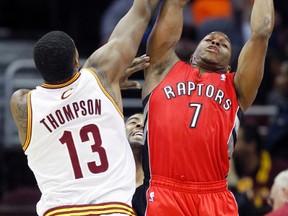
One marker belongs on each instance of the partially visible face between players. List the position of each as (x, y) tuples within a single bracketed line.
[(134, 128)]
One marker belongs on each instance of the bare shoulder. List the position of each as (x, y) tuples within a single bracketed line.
[(19, 97)]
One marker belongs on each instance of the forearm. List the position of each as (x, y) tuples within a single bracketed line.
[(151, 6), (128, 33), (167, 31), (250, 73), (140, 13), (262, 18), (113, 58)]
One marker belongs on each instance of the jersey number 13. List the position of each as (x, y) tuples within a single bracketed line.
[(96, 147)]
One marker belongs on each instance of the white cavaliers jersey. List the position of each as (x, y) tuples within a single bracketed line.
[(76, 144)]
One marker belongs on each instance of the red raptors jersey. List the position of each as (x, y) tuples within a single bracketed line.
[(191, 125)]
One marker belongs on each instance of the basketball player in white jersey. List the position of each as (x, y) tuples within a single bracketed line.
[(72, 128)]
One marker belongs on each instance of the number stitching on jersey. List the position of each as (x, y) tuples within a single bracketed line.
[(196, 114), (67, 138)]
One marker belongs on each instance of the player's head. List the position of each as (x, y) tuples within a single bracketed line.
[(279, 191), (56, 57), (134, 129), (214, 53)]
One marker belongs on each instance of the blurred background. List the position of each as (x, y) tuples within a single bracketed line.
[(262, 148)]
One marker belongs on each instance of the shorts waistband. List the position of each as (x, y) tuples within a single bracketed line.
[(92, 209), (189, 186)]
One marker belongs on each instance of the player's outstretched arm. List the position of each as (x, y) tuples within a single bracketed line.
[(162, 43), (111, 60), (116, 56), (252, 57)]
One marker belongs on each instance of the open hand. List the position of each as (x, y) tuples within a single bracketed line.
[(138, 64)]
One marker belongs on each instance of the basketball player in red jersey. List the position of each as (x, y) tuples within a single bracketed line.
[(191, 114)]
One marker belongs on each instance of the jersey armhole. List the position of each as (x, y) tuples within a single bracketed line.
[(29, 122), (145, 100)]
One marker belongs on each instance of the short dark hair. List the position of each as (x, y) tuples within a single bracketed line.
[(54, 55)]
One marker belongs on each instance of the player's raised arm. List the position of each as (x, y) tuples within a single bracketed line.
[(116, 56), (252, 57), (162, 42)]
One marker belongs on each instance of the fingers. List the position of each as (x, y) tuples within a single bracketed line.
[(140, 60), (137, 67), (138, 64)]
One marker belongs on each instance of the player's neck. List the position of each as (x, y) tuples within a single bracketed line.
[(207, 67)]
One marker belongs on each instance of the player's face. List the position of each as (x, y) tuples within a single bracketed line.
[(214, 49), (134, 128)]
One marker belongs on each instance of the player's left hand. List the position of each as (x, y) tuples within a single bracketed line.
[(138, 64)]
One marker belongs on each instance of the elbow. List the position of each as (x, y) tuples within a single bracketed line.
[(260, 35), (264, 30), (246, 102)]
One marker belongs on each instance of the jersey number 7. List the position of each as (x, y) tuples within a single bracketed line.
[(196, 114)]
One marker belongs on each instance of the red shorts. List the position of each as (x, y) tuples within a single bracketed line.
[(172, 197)]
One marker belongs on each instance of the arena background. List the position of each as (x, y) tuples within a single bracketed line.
[(22, 22)]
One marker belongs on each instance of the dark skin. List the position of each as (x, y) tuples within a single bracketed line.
[(213, 53)]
